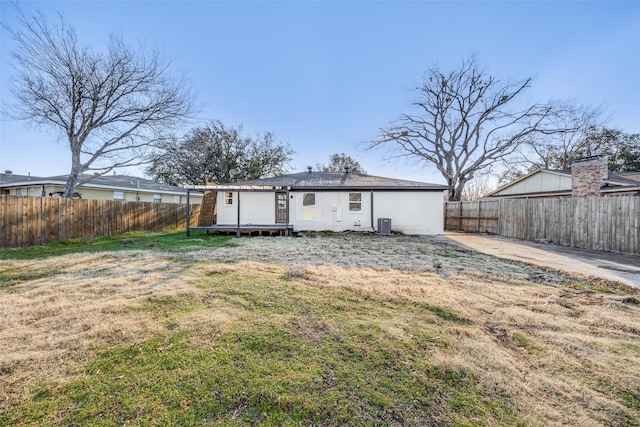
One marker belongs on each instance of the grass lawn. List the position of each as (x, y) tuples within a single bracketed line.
[(161, 329), (174, 241)]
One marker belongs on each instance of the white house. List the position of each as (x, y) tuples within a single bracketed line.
[(331, 201)]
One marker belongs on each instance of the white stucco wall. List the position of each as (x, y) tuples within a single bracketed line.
[(255, 208), (331, 212), (258, 208), (411, 212), (227, 214)]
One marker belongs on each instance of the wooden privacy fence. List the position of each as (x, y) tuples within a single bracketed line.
[(474, 217), (30, 221), (598, 223)]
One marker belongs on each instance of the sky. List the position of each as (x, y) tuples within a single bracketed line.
[(325, 76)]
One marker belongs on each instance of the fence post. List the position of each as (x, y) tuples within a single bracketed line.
[(188, 213)]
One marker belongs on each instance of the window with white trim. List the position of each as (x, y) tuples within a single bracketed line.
[(309, 206), (355, 202), (228, 198), (157, 198), (118, 195)]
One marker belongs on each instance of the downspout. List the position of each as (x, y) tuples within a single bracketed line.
[(188, 213), (372, 226)]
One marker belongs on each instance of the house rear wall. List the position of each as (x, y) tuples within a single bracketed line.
[(411, 212), (331, 212)]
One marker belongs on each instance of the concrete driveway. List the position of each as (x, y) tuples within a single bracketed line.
[(605, 265)]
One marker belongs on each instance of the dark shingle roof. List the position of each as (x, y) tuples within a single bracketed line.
[(631, 178), (339, 181), (11, 178)]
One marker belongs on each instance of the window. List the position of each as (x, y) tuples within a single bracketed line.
[(309, 206), (157, 198), (31, 191), (355, 202), (18, 191), (176, 199), (118, 195), (228, 198)]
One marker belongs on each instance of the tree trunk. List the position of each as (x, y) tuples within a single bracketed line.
[(74, 175)]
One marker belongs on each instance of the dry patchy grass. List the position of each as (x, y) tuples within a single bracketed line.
[(48, 324), (553, 353), (563, 356)]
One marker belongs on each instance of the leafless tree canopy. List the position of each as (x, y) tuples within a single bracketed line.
[(216, 154), (559, 150), (110, 106), (623, 149), (584, 137), (477, 188), (464, 121)]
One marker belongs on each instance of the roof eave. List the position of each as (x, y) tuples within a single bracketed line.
[(624, 189), (256, 188), (94, 186), (542, 171), (525, 195), (371, 188)]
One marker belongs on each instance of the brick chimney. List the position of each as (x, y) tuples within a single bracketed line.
[(588, 175)]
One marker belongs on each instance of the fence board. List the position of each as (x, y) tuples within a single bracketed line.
[(598, 223), (28, 220)]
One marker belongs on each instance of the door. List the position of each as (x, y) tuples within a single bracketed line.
[(281, 208)]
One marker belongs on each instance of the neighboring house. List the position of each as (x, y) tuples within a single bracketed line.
[(106, 187), (333, 201), (587, 177)]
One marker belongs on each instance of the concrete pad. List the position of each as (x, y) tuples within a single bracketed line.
[(605, 265)]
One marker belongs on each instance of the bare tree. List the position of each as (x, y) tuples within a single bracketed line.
[(109, 106), (339, 163), (559, 150), (477, 188), (219, 154), (465, 120)]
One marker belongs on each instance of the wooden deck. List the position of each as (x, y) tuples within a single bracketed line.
[(249, 229)]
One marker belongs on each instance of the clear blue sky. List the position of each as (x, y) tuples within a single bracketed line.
[(324, 76)]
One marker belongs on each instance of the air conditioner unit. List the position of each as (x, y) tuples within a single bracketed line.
[(384, 226)]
